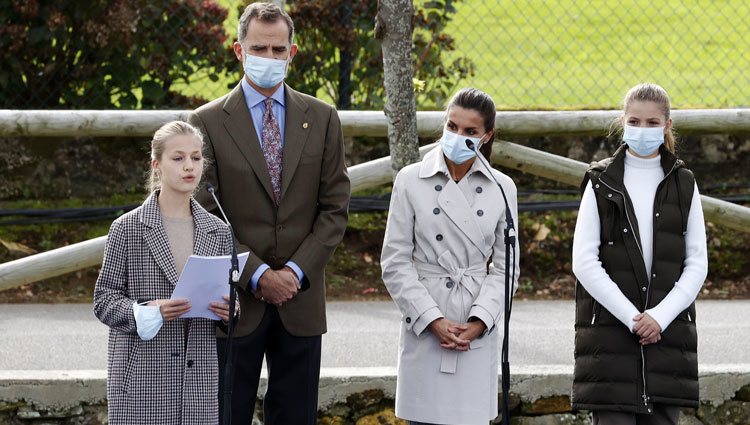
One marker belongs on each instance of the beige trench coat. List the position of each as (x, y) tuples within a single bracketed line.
[(438, 240)]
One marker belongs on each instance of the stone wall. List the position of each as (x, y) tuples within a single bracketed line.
[(540, 396)]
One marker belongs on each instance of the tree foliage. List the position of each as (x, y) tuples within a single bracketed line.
[(96, 53), (340, 54)]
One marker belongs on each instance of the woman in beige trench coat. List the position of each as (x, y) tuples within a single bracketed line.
[(443, 263)]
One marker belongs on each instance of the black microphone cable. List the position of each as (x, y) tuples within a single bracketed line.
[(510, 273), (234, 278)]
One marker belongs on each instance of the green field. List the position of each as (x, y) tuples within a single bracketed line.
[(556, 54), (586, 54)]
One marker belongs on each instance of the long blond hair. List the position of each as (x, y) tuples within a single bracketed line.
[(164, 133), (648, 92)]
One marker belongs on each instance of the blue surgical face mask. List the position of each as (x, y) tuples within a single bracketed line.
[(644, 141), (264, 72), (148, 320), (455, 149)]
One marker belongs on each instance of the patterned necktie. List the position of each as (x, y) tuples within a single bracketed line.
[(272, 148)]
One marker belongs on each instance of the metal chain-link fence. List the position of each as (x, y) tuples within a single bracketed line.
[(528, 54), (587, 54)]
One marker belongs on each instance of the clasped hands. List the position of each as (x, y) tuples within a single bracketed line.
[(647, 329), (277, 286), (456, 336)]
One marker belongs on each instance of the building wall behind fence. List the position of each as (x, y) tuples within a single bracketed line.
[(528, 54)]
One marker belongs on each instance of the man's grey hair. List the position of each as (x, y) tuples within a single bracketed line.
[(264, 12)]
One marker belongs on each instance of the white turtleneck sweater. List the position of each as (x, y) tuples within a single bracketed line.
[(641, 178)]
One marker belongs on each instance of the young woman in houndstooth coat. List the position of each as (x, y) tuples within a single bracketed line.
[(161, 369)]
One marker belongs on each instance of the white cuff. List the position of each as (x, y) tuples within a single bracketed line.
[(660, 317), (482, 314), (425, 319)]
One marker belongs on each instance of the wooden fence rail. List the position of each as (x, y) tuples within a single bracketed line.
[(371, 174), (75, 123)]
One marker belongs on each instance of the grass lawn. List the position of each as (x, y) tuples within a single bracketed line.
[(534, 54), (567, 54)]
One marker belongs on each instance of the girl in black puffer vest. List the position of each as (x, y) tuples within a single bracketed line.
[(639, 253)]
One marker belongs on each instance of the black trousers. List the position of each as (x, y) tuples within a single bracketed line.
[(293, 373), (663, 415)]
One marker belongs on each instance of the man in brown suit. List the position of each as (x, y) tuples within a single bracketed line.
[(277, 165)]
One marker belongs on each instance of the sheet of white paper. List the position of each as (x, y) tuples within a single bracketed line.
[(203, 280)]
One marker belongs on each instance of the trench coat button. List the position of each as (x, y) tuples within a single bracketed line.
[(644, 289), (438, 187), (449, 285), (625, 230), (479, 190), (439, 237), (408, 320), (657, 214), (189, 363), (480, 213), (609, 195), (279, 228), (436, 211), (597, 186), (653, 274)]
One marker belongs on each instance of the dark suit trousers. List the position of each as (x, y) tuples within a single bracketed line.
[(293, 372), (663, 415)]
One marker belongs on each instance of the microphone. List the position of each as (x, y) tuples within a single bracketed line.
[(234, 278), (235, 261), (510, 244)]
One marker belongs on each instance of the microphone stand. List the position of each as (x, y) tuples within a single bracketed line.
[(234, 278), (510, 244)]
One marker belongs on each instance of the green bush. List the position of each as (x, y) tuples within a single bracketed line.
[(105, 54)]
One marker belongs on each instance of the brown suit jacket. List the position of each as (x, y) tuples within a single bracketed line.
[(312, 215)]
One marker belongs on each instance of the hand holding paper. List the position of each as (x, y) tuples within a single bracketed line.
[(203, 280)]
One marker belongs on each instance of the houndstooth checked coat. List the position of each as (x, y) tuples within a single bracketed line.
[(173, 378)]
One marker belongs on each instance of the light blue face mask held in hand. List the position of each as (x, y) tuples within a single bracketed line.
[(644, 141), (148, 320), (455, 149)]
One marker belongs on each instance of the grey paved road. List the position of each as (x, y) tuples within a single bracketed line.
[(360, 334)]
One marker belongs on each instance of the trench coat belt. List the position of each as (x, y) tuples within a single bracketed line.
[(447, 267)]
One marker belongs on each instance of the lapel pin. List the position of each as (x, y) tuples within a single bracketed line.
[(304, 125)]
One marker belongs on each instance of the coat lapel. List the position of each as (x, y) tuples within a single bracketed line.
[(296, 131), (204, 226), (453, 202), (156, 238), (239, 125)]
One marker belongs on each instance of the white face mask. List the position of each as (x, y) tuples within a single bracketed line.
[(148, 320), (644, 141), (265, 72), (455, 148)]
